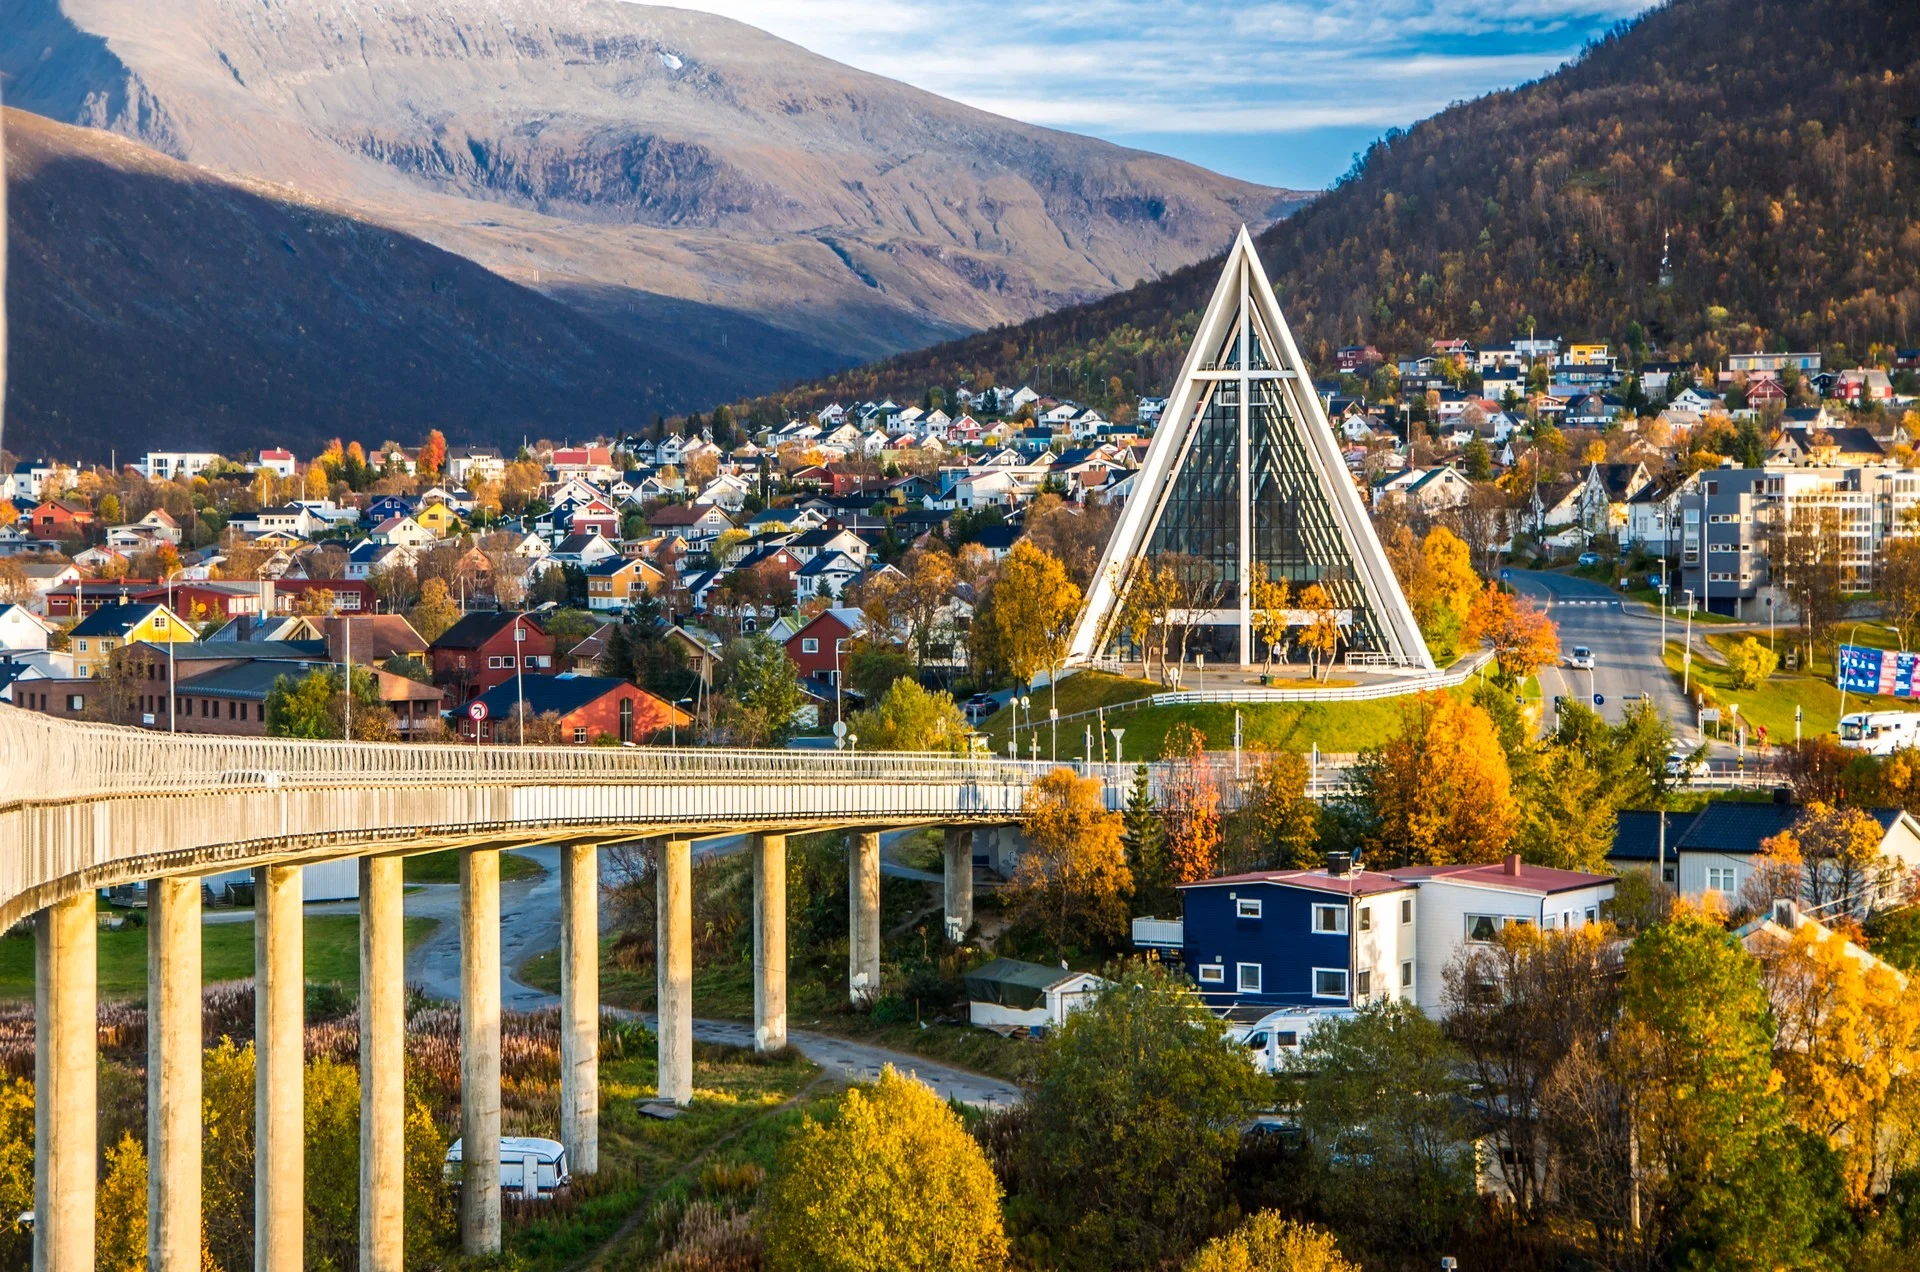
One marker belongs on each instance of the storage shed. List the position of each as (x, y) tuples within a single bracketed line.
[(1008, 993)]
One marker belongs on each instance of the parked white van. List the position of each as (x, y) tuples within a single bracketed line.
[(1880, 732), (524, 1158), (1277, 1035)]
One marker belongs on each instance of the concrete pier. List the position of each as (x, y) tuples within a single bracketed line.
[(383, 1066), (959, 882), (65, 988), (580, 1006), (480, 1050), (673, 964), (863, 905), (174, 1121), (279, 1101), (769, 942)]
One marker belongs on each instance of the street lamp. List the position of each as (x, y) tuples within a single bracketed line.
[(1686, 649), (173, 700), (1118, 760)]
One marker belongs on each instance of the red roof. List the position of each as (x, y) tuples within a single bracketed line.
[(1513, 873), (1360, 883)]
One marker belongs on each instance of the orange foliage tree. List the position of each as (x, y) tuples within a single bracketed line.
[(1072, 881), (1440, 792), (1192, 806), (1524, 639)]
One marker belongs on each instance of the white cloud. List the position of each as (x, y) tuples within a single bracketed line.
[(1258, 68)]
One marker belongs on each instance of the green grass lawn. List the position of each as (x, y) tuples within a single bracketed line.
[(226, 952), (816, 1000), (1273, 726), (1772, 703), (1082, 691), (444, 867)]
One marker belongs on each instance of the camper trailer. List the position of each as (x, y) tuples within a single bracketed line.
[(529, 1167)]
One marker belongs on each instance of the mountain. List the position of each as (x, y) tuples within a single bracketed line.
[(643, 164), (1769, 149), (154, 303)]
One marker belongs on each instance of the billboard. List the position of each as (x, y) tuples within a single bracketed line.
[(1878, 671)]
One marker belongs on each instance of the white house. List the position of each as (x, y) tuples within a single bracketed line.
[(1010, 994), (21, 629)]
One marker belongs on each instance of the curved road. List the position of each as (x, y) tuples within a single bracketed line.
[(1625, 643), (530, 924)]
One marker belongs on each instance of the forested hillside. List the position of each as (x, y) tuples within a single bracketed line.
[(1770, 147)]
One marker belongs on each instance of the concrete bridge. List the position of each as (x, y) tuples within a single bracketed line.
[(86, 806)]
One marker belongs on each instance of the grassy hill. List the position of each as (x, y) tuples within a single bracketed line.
[(1769, 147)]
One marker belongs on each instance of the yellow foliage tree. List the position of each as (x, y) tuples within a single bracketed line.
[(1073, 879), (1034, 606), (1848, 1050), (1270, 613), (120, 1210), (1440, 792), (1322, 633), (1191, 806), (1524, 639), (1269, 1241), (16, 1170), (434, 612), (893, 1183)]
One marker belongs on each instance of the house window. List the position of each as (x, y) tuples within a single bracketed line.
[(1406, 974), (1666, 875), (1366, 919), (1482, 928), (1549, 923), (579, 737), (1591, 913), (626, 719), (1331, 919), (1246, 908), (1249, 977), (507, 661), (1406, 910), (83, 645), (1363, 984), (1213, 974), (159, 622), (1720, 879), (809, 644), (1329, 982), (233, 712), (76, 702)]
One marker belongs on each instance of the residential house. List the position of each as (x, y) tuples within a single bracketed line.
[(584, 550), (22, 630), (587, 709), (62, 519), (1007, 994), (111, 627), (616, 582), (818, 649), (278, 460), (176, 465), (698, 524), (1608, 494), (485, 649)]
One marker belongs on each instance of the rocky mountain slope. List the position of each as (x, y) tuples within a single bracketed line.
[(635, 160), (1767, 150), (153, 303)]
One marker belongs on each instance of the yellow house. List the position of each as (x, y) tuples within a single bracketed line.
[(1589, 355), (112, 627), (613, 584), (439, 518)]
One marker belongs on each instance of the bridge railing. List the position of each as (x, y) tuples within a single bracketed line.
[(46, 759)]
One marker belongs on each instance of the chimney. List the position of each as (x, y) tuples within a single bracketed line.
[(1513, 865), (1339, 864)]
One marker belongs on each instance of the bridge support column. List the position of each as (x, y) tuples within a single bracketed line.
[(863, 903), (173, 1073), (383, 1066), (480, 1051), (769, 942), (673, 964), (279, 1073), (64, 1065), (580, 1006), (959, 880)]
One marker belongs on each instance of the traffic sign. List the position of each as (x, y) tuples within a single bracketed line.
[(476, 710), (1599, 699), (839, 728)]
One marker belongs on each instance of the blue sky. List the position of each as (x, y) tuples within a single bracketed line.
[(1279, 91)]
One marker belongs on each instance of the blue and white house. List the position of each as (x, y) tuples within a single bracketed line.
[(1341, 937)]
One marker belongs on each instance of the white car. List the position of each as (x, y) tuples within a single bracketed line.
[(1685, 765), (1581, 659)]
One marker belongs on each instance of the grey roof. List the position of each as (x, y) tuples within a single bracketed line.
[(249, 680), (1723, 826), (1636, 835)]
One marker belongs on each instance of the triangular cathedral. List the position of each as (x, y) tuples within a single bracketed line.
[(1245, 474)]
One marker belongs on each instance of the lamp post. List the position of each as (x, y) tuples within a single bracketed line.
[(1118, 760), (173, 700), (1686, 649)]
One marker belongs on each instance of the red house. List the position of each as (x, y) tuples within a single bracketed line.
[(588, 709), (62, 519), (484, 650), (819, 650)]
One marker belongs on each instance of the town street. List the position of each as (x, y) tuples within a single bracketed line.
[(1625, 643)]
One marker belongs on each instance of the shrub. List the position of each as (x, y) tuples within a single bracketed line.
[(1750, 663)]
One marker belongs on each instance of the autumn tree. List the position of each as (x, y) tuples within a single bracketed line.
[(16, 1168), (1271, 1241), (892, 1181), (120, 1209), (1524, 639), (1271, 615), (1845, 870), (431, 460), (1033, 609), (1278, 822), (1134, 1116), (1191, 806), (1750, 663), (1440, 584), (1719, 1174), (910, 718), (15, 587), (435, 612), (763, 693), (1848, 1051), (1072, 880), (1321, 635), (1441, 791)]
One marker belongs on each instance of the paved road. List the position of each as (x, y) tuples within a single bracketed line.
[(1625, 641)]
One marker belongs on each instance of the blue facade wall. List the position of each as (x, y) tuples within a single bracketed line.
[(1281, 940)]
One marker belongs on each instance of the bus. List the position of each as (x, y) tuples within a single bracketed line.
[(1880, 732)]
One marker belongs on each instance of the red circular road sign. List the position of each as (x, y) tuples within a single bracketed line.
[(476, 710)]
